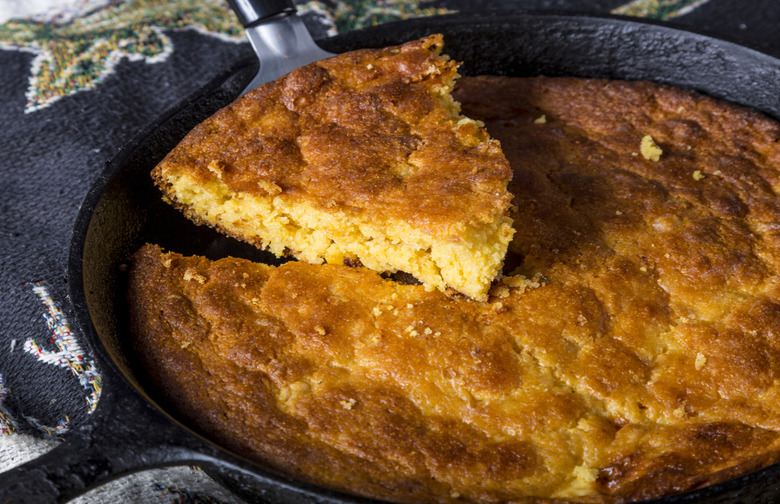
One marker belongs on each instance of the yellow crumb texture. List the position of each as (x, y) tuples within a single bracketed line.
[(191, 274), (701, 360), (347, 404), (649, 149)]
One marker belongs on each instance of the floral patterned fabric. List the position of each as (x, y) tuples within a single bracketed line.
[(79, 78)]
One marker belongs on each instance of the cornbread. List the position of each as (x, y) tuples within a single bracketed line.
[(630, 350), (363, 158)]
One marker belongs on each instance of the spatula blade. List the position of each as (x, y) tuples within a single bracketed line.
[(282, 45)]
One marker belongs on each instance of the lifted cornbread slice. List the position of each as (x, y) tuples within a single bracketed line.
[(360, 157)]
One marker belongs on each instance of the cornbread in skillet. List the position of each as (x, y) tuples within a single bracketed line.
[(363, 157), (632, 350)]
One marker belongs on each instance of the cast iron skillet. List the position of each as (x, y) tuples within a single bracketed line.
[(131, 431)]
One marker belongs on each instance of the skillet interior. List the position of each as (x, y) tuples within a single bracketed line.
[(123, 210)]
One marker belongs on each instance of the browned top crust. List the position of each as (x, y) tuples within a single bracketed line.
[(370, 131), (637, 355)]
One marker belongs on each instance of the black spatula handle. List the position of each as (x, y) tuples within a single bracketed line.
[(251, 12)]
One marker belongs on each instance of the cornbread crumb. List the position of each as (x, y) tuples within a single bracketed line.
[(290, 393), (649, 149), (520, 282), (618, 212), (585, 473), (347, 404), (701, 360), (377, 311), (192, 274), (185, 344), (215, 167), (698, 175), (320, 330), (500, 291), (269, 187), (466, 120), (428, 330), (542, 119)]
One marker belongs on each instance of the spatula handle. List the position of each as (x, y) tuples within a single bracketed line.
[(251, 12)]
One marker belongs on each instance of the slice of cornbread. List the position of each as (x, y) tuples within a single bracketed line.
[(361, 157)]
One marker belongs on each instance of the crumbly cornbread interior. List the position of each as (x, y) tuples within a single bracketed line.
[(630, 351), (363, 157)]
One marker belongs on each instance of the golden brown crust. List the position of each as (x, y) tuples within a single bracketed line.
[(636, 356), (362, 132)]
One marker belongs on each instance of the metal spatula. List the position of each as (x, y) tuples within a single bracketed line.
[(279, 37)]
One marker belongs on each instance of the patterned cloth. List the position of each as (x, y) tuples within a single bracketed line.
[(79, 78)]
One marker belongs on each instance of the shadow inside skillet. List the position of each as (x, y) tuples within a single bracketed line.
[(127, 210)]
